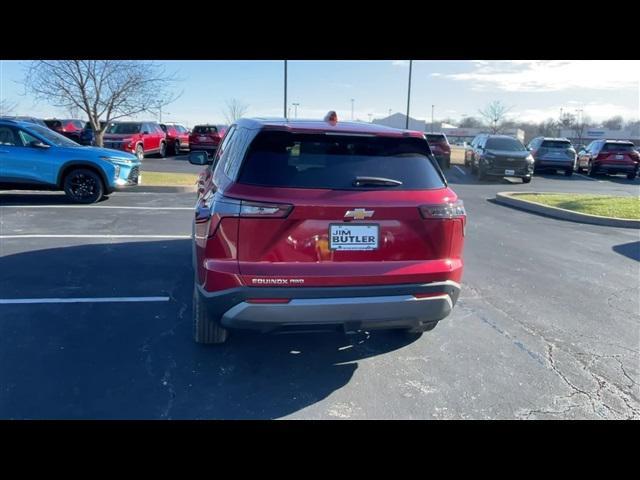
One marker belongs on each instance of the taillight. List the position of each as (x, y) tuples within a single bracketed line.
[(270, 210), (444, 210)]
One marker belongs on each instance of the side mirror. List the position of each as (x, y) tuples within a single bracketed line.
[(38, 144), (199, 157), (145, 132)]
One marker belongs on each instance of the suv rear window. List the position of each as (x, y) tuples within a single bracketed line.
[(285, 159), (617, 147), (556, 144), (434, 138), (124, 128), (204, 129), (508, 144)]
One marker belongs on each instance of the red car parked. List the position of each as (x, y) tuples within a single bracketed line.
[(177, 137), (610, 157), (440, 148), (323, 225), (204, 137), (139, 138), (68, 127)]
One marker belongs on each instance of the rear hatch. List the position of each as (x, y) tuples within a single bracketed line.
[(618, 153), (439, 144), (337, 209), (555, 150), (204, 135)]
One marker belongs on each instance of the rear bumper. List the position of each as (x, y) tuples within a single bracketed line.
[(614, 168), (553, 164), (353, 308)]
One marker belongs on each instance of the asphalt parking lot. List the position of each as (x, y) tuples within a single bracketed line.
[(547, 325)]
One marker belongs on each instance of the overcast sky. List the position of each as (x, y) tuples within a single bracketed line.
[(536, 90)]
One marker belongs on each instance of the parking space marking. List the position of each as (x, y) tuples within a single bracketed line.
[(93, 207), (585, 176), (92, 236), (460, 170), (19, 301)]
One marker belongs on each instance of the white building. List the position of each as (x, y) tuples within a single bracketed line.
[(591, 134)]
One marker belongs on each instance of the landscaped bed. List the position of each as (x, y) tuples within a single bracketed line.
[(601, 205), (168, 179)]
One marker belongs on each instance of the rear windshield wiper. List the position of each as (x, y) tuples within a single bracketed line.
[(376, 181)]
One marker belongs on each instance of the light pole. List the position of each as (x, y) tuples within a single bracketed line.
[(295, 106), (389, 112), (432, 107), (285, 89), (409, 94), (579, 125), (352, 100)]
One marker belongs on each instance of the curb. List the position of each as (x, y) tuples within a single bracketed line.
[(158, 189), (508, 199)]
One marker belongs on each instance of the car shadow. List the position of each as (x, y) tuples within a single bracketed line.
[(630, 250), (455, 177), (137, 360)]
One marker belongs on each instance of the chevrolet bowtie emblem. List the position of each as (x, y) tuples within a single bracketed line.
[(359, 214)]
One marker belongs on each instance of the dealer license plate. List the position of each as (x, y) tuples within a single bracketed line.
[(344, 236)]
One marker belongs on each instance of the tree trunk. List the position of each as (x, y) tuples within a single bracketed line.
[(99, 137)]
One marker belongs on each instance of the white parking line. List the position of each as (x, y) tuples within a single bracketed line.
[(459, 169), (585, 176), (92, 236), (20, 301), (93, 207)]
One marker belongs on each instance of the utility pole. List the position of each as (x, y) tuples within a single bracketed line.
[(409, 94), (295, 106), (389, 112), (285, 90), (352, 100), (432, 107)]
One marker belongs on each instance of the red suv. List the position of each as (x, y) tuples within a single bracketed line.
[(139, 138), (68, 127), (323, 225), (440, 148), (609, 156), (177, 137), (204, 137)]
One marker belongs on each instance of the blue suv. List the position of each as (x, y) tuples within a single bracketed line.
[(36, 158)]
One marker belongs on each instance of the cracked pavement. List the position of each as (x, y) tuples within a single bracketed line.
[(547, 325)]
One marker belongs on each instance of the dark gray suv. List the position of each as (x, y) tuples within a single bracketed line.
[(501, 156), (553, 154)]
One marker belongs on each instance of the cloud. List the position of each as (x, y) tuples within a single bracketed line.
[(596, 111), (400, 63), (551, 75)]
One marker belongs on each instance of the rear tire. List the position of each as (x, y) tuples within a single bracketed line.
[(481, 174), (568, 173), (590, 170), (82, 185), (206, 330), (163, 150), (176, 148), (526, 180), (140, 152), (632, 176)]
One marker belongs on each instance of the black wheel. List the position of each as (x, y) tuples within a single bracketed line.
[(480, 170), (632, 176), (83, 186), (206, 330), (568, 172), (176, 148), (163, 150), (526, 179), (590, 170), (140, 152)]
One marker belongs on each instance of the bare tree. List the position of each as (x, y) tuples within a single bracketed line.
[(102, 89), (234, 110), (470, 122), (7, 107), (548, 128), (614, 123), (495, 114)]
